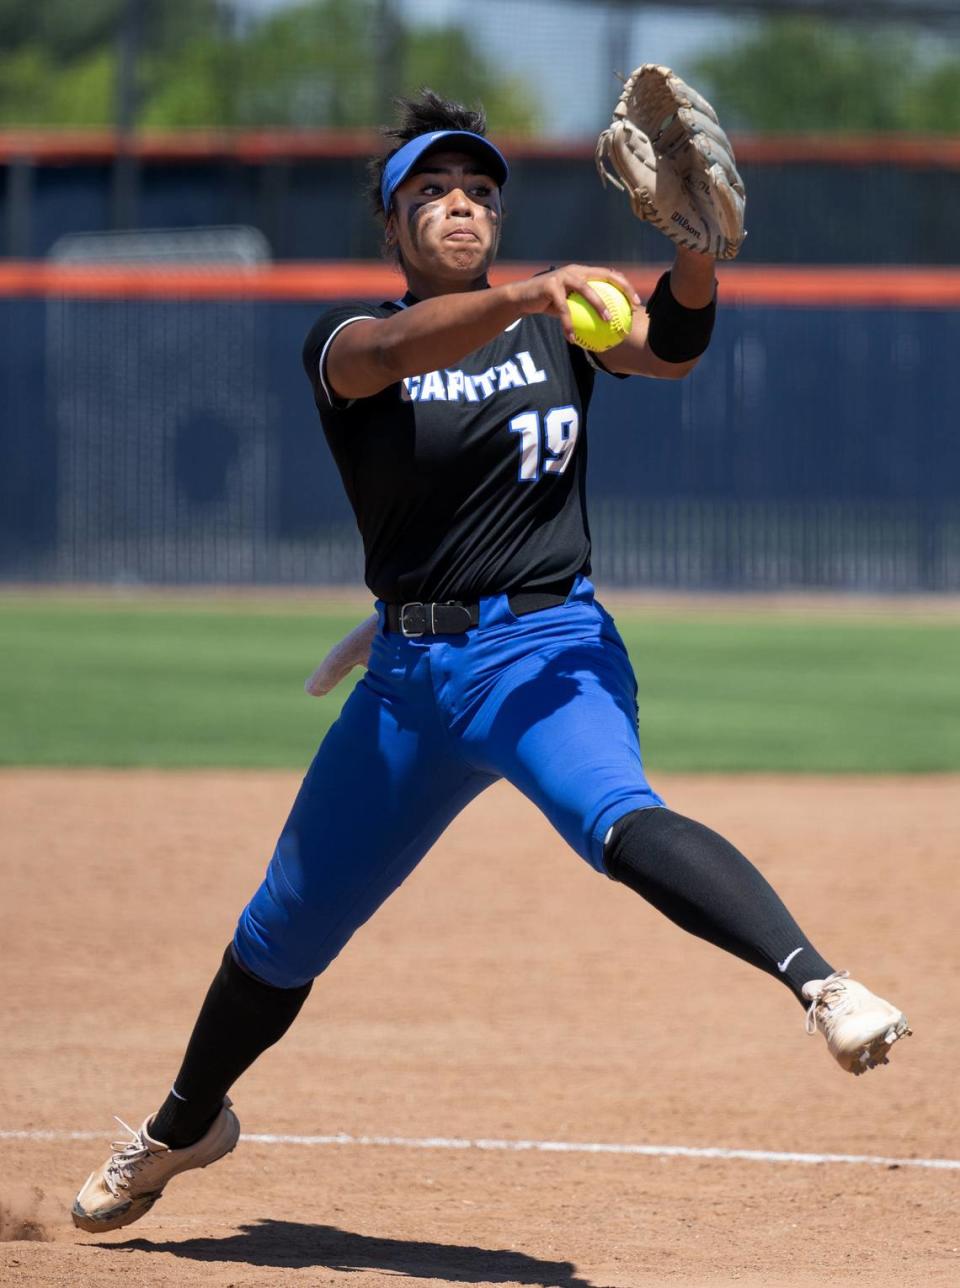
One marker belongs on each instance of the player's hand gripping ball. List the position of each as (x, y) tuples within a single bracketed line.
[(589, 328)]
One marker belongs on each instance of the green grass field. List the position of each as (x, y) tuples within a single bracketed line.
[(179, 683)]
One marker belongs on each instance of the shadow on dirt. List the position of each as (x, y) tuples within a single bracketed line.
[(294, 1244)]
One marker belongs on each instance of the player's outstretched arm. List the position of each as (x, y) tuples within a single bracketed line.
[(353, 650), (369, 355)]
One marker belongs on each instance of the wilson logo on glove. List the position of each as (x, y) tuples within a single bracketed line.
[(679, 218)]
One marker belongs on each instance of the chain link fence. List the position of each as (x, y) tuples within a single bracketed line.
[(150, 439)]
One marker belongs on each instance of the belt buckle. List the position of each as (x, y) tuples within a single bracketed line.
[(406, 632)]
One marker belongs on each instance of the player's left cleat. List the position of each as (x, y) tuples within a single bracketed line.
[(860, 1027), (133, 1177)]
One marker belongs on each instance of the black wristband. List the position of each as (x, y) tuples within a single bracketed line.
[(676, 334)]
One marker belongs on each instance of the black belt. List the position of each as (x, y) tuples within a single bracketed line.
[(453, 618)]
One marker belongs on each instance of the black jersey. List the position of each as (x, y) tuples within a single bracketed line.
[(468, 481)]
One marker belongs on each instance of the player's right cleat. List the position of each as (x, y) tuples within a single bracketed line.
[(132, 1179), (860, 1027)]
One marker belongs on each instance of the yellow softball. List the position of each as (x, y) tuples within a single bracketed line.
[(589, 329)]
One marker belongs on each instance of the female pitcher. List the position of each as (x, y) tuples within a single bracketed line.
[(457, 415)]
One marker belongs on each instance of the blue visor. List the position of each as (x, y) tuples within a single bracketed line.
[(402, 162)]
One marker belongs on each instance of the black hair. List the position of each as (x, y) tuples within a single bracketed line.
[(421, 115)]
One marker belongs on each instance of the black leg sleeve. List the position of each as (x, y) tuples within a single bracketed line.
[(706, 886), (241, 1016)]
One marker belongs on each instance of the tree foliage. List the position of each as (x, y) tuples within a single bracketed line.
[(60, 29), (69, 29), (795, 74), (314, 63)]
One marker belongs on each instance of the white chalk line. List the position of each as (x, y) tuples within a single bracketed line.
[(542, 1147)]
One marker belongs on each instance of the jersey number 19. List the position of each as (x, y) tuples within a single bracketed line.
[(545, 449)]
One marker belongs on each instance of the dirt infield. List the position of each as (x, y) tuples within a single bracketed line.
[(506, 993)]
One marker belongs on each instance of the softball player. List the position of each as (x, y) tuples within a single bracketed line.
[(457, 415)]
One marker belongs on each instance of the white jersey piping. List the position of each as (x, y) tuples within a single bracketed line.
[(361, 317)]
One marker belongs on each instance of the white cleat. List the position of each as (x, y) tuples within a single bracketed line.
[(132, 1179), (860, 1027)]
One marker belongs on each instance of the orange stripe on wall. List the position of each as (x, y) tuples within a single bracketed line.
[(92, 147), (785, 286), (841, 287)]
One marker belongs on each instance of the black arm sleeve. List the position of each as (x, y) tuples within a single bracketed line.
[(677, 334)]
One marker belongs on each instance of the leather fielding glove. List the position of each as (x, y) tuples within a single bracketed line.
[(666, 150)]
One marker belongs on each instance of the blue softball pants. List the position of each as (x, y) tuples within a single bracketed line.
[(546, 701)]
